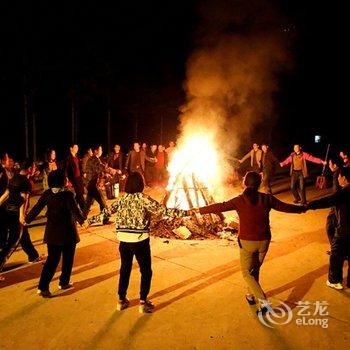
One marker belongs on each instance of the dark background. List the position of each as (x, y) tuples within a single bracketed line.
[(129, 60)]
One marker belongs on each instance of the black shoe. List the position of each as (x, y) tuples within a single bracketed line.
[(123, 304), (263, 311), (250, 299), (44, 293), (146, 307), (38, 259), (65, 286)]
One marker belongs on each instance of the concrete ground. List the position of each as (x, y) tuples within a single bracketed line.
[(198, 291)]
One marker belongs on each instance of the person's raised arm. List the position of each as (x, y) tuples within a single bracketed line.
[(74, 209), (313, 159), (326, 202), (274, 159), (159, 209), (150, 159), (245, 157), (287, 161), (286, 207), (38, 207), (23, 207), (104, 214), (4, 197), (219, 207)]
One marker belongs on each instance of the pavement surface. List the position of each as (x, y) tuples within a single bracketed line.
[(197, 288)]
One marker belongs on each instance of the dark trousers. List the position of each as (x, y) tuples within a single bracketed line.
[(10, 234), (331, 224), (93, 194), (141, 172), (297, 186), (54, 256), (340, 251), (266, 182), (79, 192), (142, 252), (28, 246), (150, 175)]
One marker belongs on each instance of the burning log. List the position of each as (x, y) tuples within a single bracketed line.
[(195, 168), (186, 193)]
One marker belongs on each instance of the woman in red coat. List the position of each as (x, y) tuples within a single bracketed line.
[(254, 236)]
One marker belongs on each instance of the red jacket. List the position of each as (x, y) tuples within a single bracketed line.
[(254, 219), (306, 157)]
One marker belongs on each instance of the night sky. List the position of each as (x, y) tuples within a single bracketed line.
[(130, 58)]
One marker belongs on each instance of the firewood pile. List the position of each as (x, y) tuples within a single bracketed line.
[(188, 228), (188, 193)]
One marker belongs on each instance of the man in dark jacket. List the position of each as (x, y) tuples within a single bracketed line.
[(135, 162), (74, 173), (13, 204), (115, 160), (269, 163), (150, 166), (340, 246)]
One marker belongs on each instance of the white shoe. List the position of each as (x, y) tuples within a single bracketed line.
[(337, 286)]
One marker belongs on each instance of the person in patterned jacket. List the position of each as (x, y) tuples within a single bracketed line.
[(133, 216)]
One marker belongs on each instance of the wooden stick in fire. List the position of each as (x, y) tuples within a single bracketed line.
[(188, 197), (199, 188)]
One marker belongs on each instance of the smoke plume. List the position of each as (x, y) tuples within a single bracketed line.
[(232, 75)]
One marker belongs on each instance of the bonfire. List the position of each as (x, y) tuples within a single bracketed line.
[(194, 179)]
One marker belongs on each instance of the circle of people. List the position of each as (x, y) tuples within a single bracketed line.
[(70, 191)]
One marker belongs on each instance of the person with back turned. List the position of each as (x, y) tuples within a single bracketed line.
[(132, 219), (340, 244), (61, 234), (254, 235)]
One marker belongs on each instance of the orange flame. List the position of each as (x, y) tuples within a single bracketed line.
[(195, 163)]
